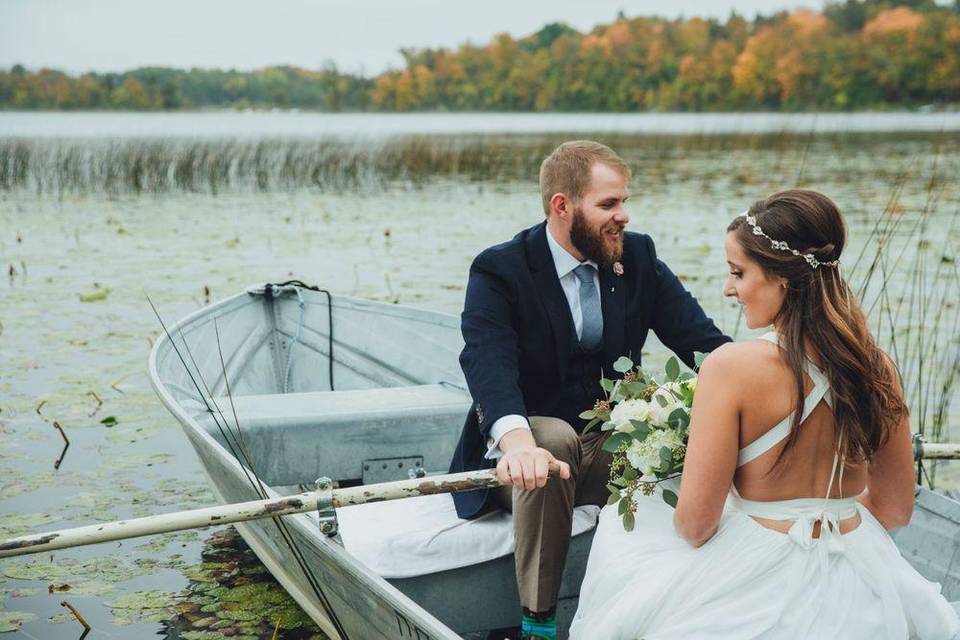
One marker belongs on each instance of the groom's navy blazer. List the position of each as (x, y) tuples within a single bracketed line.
[(517, 329)]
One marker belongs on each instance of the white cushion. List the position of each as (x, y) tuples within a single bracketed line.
[(423, 535)]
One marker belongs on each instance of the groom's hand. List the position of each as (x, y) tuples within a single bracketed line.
[(524, 464)]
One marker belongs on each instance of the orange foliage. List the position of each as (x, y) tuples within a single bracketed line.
[(618, 34), (807, 23), (899, 20)]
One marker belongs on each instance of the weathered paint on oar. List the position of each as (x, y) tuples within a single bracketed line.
[(939, 451), (253, 510)]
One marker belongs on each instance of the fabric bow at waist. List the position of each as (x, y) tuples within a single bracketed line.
[(805, 513)]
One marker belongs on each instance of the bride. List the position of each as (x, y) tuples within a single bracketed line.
[(780, 531)]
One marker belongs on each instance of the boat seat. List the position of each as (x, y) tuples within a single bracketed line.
[(442, 562), (423, 535), (296, 437)]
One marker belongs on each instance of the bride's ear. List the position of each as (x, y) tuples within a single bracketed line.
[(782, 282)]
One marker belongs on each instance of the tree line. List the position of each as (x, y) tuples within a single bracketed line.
[(855, 54)]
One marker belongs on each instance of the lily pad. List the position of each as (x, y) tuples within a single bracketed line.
[(97, 295), (18, 524), (11, 620)]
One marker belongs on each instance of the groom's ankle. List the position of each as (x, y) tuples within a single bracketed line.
[(539, 625)]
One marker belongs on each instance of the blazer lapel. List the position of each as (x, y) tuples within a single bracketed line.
[(613, 304), (548, 289)]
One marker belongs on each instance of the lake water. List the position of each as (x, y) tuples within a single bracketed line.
[(257, 124), (182, 207)]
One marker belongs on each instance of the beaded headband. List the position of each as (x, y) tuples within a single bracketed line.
[(783, 246)]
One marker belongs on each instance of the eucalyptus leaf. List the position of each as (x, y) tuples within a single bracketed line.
[(623, 364), (617, 440), (632, 389), (622, 508), (630, 474), (661, 401), (607, 384), (666, 456), (592, 424), (672, 368), (614, 497), (670, 498), (678, 418), (628, 521), (589, 414), (640, 430)]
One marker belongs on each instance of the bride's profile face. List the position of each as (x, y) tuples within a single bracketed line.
[(760, 295)]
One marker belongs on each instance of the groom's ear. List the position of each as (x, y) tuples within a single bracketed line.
[(560, 204)]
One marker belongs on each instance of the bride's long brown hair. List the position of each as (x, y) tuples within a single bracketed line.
[(821, 317)]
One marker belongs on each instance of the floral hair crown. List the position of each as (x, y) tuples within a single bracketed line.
[(783, 246)]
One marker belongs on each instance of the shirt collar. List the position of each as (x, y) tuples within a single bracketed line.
[(562, 260)]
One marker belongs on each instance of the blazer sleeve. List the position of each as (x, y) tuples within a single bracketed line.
[(490, 352), (678, 320)]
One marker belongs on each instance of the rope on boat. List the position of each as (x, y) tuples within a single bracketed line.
[(273, 290), (255, 482), (301, 305)]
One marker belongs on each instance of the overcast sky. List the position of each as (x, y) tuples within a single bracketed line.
[(358, 35)]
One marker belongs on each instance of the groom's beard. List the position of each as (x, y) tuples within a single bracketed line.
[(593, 243)]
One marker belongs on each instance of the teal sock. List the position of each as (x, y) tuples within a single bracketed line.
[(539, 626)]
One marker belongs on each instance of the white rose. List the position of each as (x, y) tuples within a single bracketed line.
[(661, 415), (629, 410)]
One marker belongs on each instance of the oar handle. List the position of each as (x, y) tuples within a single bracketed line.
[(936, 451), (253, 510)]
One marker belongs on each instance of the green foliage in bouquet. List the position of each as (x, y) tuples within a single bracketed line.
[(650, 420)]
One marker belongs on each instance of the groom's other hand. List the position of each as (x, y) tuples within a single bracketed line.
[(524, 464)]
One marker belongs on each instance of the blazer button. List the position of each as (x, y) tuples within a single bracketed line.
[(479, 414)]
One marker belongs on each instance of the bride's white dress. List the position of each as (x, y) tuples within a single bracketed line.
[(749, 581)]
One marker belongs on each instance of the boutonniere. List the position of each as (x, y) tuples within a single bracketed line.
[(618, 268)]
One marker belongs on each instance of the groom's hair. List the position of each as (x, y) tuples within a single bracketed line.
[(568, 169)]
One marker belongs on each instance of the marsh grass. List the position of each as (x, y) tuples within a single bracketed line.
[(907, 279), (62, 167)]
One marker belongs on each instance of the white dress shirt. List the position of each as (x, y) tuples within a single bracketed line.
[(565, 264)]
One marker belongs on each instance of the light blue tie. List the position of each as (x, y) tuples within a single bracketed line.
[(592, 332)]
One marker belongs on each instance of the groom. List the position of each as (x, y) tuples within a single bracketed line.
[(546, 314)]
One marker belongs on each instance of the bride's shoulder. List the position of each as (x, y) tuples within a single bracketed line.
[(736, 359)]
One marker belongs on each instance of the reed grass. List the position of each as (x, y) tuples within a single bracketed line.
[(908, 281), (60, 167)]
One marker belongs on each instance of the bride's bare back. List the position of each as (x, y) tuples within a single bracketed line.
[(806, 471), (745, 389)]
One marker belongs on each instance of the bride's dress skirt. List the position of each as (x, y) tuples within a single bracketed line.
[(749, 581)]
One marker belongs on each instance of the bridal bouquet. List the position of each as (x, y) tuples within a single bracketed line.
[(650, 419)]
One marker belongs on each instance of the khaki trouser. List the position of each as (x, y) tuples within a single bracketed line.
[(542, 518)]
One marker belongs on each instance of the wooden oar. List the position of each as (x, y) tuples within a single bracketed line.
[(936, 451), (323, 500)]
